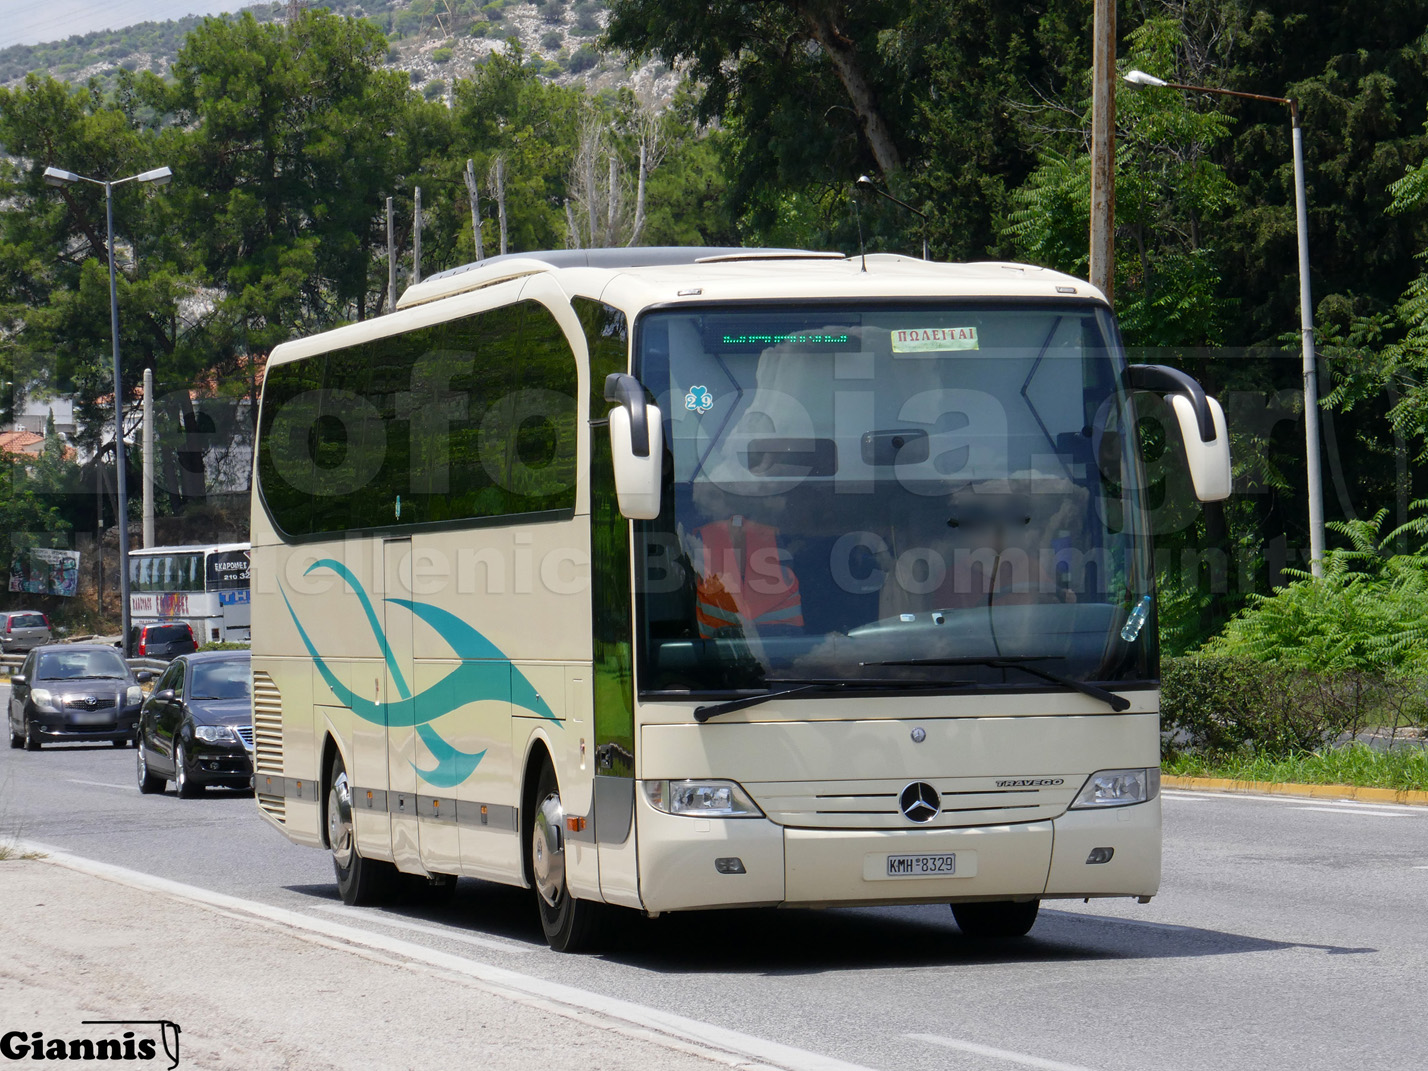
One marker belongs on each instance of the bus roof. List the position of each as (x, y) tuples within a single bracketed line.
[(638, 277), (186, 548), (736, 272)]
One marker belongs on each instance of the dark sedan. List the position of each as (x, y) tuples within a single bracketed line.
[(196, 729), (74, 693)]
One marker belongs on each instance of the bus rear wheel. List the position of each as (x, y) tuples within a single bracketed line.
[(569, 923), (1002, 918), (360, 882)]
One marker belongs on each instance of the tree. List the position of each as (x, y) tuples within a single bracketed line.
[(1171, 199), (731, 45)]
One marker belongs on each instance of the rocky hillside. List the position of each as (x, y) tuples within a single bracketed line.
[(434, 41)]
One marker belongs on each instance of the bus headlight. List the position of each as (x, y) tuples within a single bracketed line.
[(1118, 788), (707, 799)]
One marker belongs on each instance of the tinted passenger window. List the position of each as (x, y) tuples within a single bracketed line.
[(466, 420)]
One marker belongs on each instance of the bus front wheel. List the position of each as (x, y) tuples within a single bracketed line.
[(569, 923), (359, 881), (1002, 918)]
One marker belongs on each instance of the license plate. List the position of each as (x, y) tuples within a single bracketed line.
[(90, 717), (941, 865)]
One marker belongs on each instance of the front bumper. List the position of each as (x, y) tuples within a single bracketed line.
[(826, 867), (216, 764), (79, 727)]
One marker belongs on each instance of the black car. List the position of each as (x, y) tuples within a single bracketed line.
[(161, 639), (74, 693), (196, 729)]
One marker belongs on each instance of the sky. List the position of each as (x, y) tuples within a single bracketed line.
[(28, 22)]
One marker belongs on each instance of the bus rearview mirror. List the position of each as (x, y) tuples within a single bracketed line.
[(1202, 425), (637, 478), (1209, 461)]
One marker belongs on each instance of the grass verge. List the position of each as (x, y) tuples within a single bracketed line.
[(1356, 764), (9, 851)]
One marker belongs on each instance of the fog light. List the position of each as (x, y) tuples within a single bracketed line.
[(1100, 855), (730, 865)]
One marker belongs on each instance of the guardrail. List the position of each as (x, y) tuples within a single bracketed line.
[(11, 662)]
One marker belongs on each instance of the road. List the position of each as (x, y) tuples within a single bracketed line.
[(1288, 934)]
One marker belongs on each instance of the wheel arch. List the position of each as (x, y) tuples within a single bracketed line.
[(331, 749), (538, 754)]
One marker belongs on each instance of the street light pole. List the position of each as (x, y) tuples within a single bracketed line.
[(1313, 471), (55, 177)]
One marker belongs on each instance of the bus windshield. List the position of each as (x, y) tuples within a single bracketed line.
[(858, 491)]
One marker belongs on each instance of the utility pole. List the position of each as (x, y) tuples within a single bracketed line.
[(1103, 148), (391, 260), (416, 239), (148, 457), (501, 198), (475, 206)]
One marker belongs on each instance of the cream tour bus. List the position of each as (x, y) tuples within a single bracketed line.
[(694, 578)]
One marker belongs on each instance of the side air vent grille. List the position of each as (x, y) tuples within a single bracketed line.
[(268, 741)]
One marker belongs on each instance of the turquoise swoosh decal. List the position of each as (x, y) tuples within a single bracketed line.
[(485, 673), (346, 574), (452, 766)]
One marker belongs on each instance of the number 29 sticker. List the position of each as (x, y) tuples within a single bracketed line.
[(699, 400)]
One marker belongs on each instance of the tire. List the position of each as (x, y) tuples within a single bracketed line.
[(120, 743), (17, 740), (185, 788), (360, 881), (570, 924), (1003, 918), (32, 738), (148, 783)]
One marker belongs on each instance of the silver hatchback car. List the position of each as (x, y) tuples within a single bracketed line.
[(21, 630)]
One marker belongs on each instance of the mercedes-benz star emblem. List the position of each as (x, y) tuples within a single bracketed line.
[(919, 802), (919, 735)]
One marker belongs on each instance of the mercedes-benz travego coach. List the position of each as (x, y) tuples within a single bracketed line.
[(695, 578)]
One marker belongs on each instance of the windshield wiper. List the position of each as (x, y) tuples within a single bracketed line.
[(1115, 702), (832, 684)]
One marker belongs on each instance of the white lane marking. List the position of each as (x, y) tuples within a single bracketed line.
[(1353, 810), (1408, 810), (97, 784), (997, 1054), (620, 1016), (382, 919)]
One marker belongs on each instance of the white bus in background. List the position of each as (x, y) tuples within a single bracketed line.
[(204, 584), (678, 579)]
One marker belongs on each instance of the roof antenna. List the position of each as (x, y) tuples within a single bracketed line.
[(858, 215), (866, 184)]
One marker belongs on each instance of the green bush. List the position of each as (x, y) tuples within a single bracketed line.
[(1367, 613), (441, 55), (224, 645), (585, 57), (1229, 703)]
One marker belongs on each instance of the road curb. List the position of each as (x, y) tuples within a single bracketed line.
[(1410, 797), (721, 1046)]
